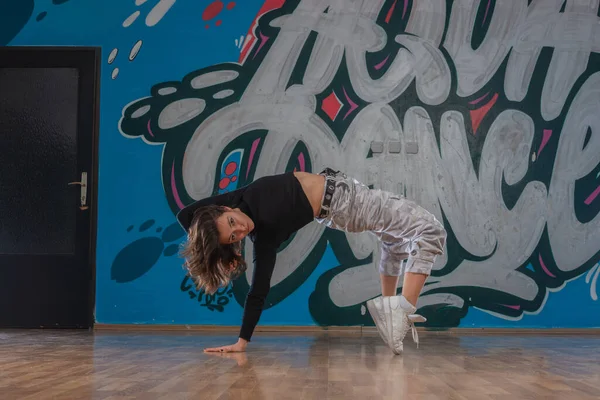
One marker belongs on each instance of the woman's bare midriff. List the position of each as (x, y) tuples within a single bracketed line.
[(313, 186)]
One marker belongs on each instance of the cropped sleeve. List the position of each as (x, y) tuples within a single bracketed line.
[(265, 255)]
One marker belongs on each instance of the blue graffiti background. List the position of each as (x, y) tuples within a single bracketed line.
[(129, 186), (139, 275)]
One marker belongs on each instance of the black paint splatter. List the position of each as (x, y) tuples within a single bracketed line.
[(13, 17), (43, 14), (138, 257)]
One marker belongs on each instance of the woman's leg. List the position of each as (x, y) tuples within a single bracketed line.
[(394, 314), (411, 239), (389, 284), (412, 286), (410, 243)]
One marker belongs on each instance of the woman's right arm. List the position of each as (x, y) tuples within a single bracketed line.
[(264, 263)]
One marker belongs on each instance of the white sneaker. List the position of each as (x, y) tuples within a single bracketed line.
[(378, 313), (393, 321)]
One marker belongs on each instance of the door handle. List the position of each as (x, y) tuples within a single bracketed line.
[(83, 196)]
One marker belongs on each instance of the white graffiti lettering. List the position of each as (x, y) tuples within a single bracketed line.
[(442, 178)]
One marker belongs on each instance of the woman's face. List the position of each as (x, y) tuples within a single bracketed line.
[(233, 226)]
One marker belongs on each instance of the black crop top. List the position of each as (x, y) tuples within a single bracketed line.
[(278, 207)]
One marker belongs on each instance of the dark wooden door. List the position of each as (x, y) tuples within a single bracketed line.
[(48, 130)]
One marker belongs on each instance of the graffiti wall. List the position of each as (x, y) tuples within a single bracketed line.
[(485, 112)]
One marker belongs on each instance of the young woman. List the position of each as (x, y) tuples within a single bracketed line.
[(271, 208)]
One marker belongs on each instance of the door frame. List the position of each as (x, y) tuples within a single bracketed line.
[(90, 57)]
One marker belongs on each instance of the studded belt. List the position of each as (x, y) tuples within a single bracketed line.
[(329, 174)]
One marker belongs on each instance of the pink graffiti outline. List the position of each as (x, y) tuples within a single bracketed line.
[(252, 151), (513, 307), (592, 196), (544, 267), (381, 64), (174, 188), (150, 130), (301, 161), (486, 11), (353, 105), (479, 99), (263, 40), (547, 134)]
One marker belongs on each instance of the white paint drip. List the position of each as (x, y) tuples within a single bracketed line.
[(131, 19), (140, 2), (593, 292), (595, 271), (179, 112), (166, 91), (213, 78), (115, 73), (140, 112), (112, 55), (223, 94), (135, 50), (239, 42), (159, 11)]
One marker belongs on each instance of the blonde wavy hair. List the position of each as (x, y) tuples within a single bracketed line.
[(210, 264)]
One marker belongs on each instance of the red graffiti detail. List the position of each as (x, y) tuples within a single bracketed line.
[(218, 23), (212, 10), (331, 105), (230, 168), (478, 115), (233, 179), (390, 12), (267, 6), (230, 5), (224, 183)]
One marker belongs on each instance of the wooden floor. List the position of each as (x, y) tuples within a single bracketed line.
[(172, 365)]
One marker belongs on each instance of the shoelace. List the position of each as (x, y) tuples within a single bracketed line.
[(412, 318)]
